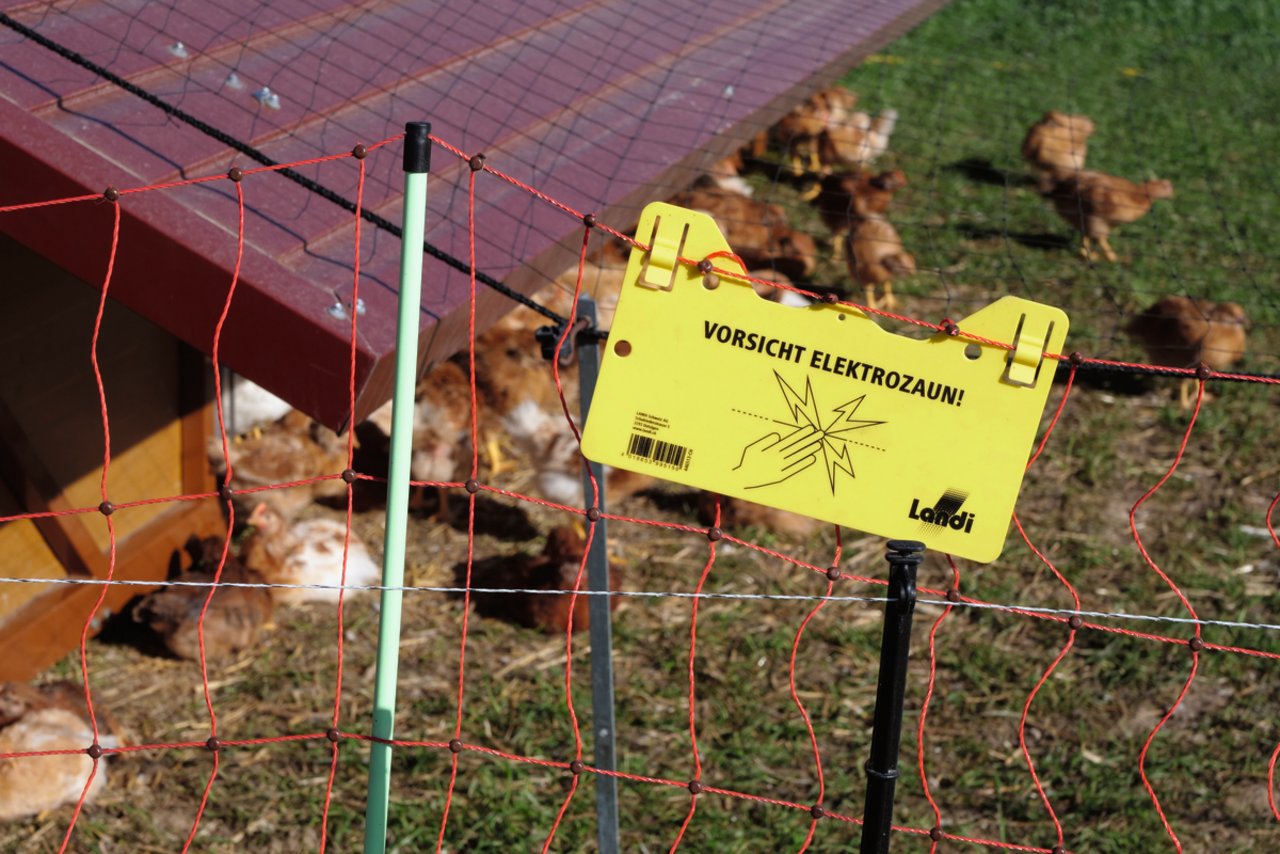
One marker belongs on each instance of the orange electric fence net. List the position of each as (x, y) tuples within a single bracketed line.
[(743, 660)]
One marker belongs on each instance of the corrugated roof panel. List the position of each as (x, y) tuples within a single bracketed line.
[(594, 103)]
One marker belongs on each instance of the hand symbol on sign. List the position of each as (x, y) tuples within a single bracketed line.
[(774, 458)]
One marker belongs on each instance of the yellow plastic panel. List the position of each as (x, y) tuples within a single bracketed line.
[(818, 410)]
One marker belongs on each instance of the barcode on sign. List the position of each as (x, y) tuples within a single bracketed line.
[(663, 453)]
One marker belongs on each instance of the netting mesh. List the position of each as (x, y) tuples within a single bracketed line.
[(1103, 686)]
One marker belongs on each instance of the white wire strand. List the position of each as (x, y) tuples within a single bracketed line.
[(673, 594)]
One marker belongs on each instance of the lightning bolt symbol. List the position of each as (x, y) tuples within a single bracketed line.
[(836, 462), (848, 422), (805, 407)]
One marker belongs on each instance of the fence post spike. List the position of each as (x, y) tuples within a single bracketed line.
[(904, 559)]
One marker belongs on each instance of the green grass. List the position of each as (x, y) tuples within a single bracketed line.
[(1177, 90)]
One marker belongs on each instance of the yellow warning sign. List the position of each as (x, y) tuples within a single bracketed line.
[(818, 410)]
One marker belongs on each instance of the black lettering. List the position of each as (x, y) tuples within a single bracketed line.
[(949, 395), (709, 328), (800, 348), (877, 376), (815, 358), (738, 335)]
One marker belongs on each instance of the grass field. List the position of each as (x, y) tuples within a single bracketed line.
[(1181, 90)]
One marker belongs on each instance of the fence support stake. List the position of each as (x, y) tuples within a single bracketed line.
[(882, 769), (417, 161), (601, 629)]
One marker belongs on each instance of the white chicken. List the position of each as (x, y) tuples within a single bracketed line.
[(308, 552)]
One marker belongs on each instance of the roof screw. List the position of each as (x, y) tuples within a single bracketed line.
[(359, 306), (233, 81), (179, 50), (267, 98), (337, 311)]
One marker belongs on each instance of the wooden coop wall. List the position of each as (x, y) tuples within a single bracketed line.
[(51, 455)]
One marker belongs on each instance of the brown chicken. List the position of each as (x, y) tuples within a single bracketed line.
[(1179, 332), (799, 132), (291, 449), (856, 141), (757, 232), (40, 718), (875, 255), (1094, 202), (233, 621), (555, 569), (736, 514), (1055, 147), (846, 198)]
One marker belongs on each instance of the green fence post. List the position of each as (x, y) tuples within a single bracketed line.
[(417, 160)]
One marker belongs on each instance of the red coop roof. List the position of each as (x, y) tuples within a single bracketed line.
[(596, 103)]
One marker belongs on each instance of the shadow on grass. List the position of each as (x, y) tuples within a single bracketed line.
[(1031, 240), (980, 170)]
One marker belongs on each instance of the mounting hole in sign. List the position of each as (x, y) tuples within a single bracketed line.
[(622, 348), (972, 352)]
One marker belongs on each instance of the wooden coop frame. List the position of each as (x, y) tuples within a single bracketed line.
[(51, 452)]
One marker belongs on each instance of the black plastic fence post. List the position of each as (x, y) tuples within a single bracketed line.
[(882, 769), (601, 629)]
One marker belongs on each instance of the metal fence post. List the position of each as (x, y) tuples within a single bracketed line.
[(882, 769), (601, 628)]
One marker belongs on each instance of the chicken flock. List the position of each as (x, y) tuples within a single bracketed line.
[(287, 553)]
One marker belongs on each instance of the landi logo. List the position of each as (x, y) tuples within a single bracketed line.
[(945, 512)]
